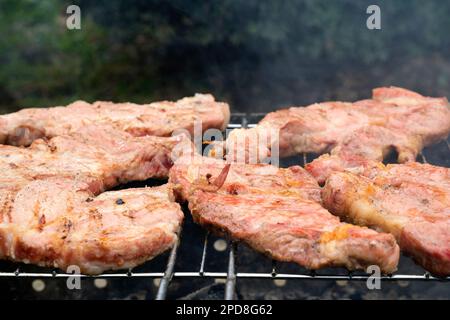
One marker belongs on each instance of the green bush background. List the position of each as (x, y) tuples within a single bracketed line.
[(258, 55)]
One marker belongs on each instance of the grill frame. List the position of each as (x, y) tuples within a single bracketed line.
[(231, 276)]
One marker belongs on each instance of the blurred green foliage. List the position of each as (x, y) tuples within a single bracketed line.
[(253, 53)]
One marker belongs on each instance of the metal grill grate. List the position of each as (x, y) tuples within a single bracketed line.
[(231, 275)]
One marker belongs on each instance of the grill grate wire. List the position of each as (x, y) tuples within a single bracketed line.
[(231, 275)]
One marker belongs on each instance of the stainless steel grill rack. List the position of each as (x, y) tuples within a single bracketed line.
[(231, 275)]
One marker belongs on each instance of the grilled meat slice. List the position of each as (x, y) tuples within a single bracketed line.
[(158, 118), (58, 222), (411, 201), (52, 212), (277, 212), (410, 123), (109, 155), (353, 133), (190, 172)]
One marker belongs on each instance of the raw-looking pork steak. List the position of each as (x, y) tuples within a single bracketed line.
[(158, 118), (277, 212), (353, 133), (53, 212), (411, 201)]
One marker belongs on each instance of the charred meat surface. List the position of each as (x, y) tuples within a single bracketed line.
[(157, 119), (277, 212), (411, 201), (353, 133)]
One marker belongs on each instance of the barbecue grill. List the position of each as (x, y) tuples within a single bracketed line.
[(230, 273)]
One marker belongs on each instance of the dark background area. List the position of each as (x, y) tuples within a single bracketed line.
[(257, 55)]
